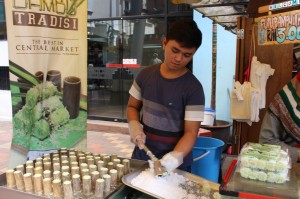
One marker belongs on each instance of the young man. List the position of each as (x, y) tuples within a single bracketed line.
[(169, 101)]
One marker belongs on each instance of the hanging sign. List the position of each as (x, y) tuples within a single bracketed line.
[(47, 43), (283, 28)]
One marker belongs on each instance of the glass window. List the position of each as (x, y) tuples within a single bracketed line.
[(119, 8), (2, 21), (118, 50)]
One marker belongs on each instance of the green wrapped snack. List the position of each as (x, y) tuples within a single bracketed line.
[(45, 107), (47, 89), (41, 129), (52, 103), (40, 92), (59, 117), (32, 97), (271, 177), (245, 172), (262, 176), (23, 120), (18, 121), (37, 112)]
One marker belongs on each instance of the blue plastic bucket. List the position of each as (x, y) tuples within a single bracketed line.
[(207, 153)]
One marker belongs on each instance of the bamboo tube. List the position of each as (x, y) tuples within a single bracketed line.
[(73, 158), (116, 161), (107, 180), (126, 164), (38, 170), (75, 170), (55, 156), (90, 161), (56, 175), (63, 151), (65, 169), (68, 191), (64, 158), (46, 155), (120, 169), (85, 172), (28, 182), (113, 156), (20, 168), (110, 165), (29, 163), (80, 155), (56, 166), (89, 156), (76, 184), (81, 160), (66, 176), (114, 177), (103, 155), (86, 185), (100, 164), (39, 159), (57, 190), (96, 159), (46, 159), (72, 153), (29, 169), (92, 168), (99, 188), (65, 163), (103, 171), (37, 183), (10, 178), (38, 164), (95, 175), (74, 164), (19, 180), (56, 160), (83, 166), (96, 155), (106, 159), (47, 166), (47, 174), (47, 184)]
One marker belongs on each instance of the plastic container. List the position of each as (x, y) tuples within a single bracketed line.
[(209, 117), (207, 153)]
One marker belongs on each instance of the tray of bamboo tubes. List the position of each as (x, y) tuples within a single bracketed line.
[(68, 174)]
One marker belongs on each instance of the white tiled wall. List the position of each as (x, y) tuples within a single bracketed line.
[(5, 105)]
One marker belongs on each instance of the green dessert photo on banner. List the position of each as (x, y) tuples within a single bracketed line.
[(44, 121)]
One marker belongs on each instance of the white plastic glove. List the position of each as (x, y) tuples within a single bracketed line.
[(137, 135), (172, 160)]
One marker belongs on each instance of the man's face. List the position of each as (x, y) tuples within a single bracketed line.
[(176, 56)]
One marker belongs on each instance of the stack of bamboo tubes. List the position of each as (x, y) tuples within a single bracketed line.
[(69, 174)]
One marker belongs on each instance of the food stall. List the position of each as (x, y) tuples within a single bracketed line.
[(275, 47), (128, 178), (233, 185)]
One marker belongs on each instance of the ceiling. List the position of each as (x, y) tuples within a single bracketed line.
[(222, 12)]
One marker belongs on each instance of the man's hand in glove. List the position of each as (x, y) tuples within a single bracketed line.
[(172, 160), (137, 135)]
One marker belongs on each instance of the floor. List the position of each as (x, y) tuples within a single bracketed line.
[(103, 138)]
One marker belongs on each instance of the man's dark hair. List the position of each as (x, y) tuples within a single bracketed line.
[(185, 32)]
